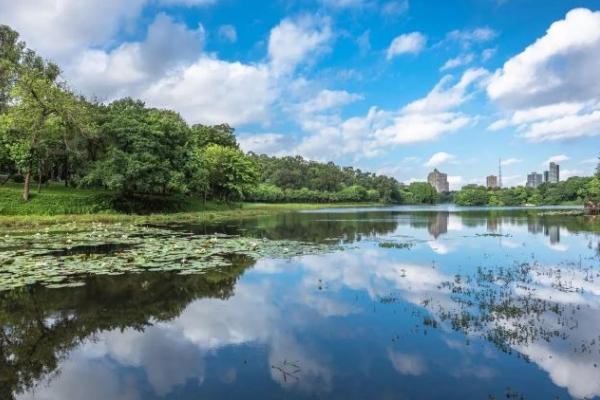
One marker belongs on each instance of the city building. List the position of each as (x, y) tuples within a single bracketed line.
[(546, 176), (554, 173), (492, 181), (439, 181), (534, 180)]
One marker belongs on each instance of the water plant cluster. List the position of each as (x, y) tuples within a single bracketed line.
[(57, 258)]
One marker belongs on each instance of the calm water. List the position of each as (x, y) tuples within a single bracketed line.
[(418, 305)]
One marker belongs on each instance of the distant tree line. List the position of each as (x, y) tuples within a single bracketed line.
[(575, 190)]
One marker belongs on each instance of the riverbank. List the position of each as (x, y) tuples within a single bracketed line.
[(59, 206)]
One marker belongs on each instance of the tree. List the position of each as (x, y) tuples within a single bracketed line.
[(145, 150), (230, 172), (39, 105), (223, 135), (423, 193), (472, 195)]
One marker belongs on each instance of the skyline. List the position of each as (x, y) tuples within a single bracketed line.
[(395, 87)]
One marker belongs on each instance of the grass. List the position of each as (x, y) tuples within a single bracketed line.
[(58, 205)]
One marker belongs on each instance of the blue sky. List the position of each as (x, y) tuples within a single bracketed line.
[(392, 86)]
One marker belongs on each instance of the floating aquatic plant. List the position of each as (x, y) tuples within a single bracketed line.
[(57, 258)]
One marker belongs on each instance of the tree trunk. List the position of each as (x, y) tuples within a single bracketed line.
[(39, 187), (26, 186)]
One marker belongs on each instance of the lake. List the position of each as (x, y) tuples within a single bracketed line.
[(389, 303)]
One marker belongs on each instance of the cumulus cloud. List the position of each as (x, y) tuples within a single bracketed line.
[(58, 29), (212, 91), (408, 43), (551, 88), (422, 120), (131, 66), (440, 158), (293, 40)]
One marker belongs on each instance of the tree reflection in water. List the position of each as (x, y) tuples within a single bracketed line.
[(40, 326)]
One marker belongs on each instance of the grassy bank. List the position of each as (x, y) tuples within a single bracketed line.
[(60, 205)]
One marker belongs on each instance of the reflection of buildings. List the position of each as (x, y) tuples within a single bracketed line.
[(438, 224), (553, 232), (439, 181), (493, 224), (534, 226)]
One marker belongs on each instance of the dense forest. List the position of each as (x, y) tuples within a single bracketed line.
[(49, 134)]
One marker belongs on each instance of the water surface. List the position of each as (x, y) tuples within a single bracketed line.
[(419, 304)]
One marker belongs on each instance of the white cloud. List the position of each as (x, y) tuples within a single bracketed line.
[(525, 116), (511, 161), (129, 68), (228, 33), (58, 28), (344, 3), (421, 120), (552, 87), (294, 40), (567, 127), (407, 364), (486, 54), (263, 143), (559, 67), (214, 91), (395, 8), (411, 43), (328, 99), (458, 61), (440, 158), (557, 159), (467, 37)]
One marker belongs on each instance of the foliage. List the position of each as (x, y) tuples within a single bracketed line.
[(315, 181), (229, 172), (573, 190), (423, 193), (144, 152)]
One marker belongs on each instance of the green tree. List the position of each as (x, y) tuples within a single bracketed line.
[(230, 172), (423, 193), (223, 135), (145, 150), (472, 195)]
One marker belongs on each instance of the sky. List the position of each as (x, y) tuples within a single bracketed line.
[(397, 87)]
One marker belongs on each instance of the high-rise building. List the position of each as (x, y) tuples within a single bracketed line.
[(546, 174), (439, 181), (534, 180), (492, 181), (554, 173)]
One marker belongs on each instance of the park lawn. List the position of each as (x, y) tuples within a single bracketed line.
[(57, 204)]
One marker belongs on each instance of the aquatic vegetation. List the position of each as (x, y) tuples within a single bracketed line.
[(57, 258), (395, 245)]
